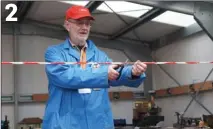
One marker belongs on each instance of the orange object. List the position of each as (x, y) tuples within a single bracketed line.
[(185, 89), (123, 95), (201, 124), (40, 97)]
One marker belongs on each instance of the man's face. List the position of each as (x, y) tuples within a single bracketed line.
[(79, 29)]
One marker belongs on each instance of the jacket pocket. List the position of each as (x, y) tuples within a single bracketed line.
[(69, 121), (65, 103), (108, 123)]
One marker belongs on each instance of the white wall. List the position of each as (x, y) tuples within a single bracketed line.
[(7, 77), (195, 48), (32, 78)]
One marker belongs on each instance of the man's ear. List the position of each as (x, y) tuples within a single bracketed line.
[(66, 25)]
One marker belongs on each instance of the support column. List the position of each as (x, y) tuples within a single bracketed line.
[(15, 58), (203, 14)]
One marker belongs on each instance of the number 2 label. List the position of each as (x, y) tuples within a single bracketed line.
[(11, 17)]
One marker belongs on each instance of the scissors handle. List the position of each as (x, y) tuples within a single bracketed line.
[(121, 66), (119, 69)]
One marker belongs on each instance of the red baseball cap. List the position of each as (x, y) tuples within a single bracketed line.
[(77, 12)]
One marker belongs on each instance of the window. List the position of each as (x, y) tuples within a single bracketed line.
[(83, 3), (175, 18), (124, 8)]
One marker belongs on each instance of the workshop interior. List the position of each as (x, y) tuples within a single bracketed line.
[(164, 32)]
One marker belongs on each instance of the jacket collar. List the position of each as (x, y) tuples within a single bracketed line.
[(90, 50)]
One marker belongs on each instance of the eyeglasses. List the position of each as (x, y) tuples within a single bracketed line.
[(81, 22)]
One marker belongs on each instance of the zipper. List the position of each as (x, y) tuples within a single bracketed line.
[(85, 111)]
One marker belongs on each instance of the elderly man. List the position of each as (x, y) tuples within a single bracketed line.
[(78, 95)]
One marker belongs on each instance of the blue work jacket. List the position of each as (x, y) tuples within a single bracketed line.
[(66, 108)]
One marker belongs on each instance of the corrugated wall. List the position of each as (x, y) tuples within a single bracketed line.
[(194, 48)]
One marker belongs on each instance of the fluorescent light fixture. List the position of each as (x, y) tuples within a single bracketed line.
[(124, 8), (175, 18), (83, 3)]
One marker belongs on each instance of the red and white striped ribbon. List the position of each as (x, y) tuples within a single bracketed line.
[(103, 63)]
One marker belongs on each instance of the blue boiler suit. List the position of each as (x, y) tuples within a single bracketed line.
[(66, 108)]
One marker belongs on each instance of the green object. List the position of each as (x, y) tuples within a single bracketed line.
[(5, 124)]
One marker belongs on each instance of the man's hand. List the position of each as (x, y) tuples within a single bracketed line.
[(112, 73), (138, 68)]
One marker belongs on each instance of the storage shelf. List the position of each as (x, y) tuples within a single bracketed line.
[(42, 98), (123, 95), (7, 98)]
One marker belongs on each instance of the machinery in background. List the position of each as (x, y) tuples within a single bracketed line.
[(5, 123), (208, 120), (186, 121), (201, 122), (120, 122), (146, 113)]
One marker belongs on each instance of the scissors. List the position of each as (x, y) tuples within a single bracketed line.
[(121, 66)]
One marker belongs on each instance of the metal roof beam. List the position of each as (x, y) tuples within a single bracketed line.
[(93, 5), (142, 20), (58, 28), (23, 9), (204, 17)]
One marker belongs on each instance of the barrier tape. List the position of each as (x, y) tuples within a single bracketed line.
[(102, 63)]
